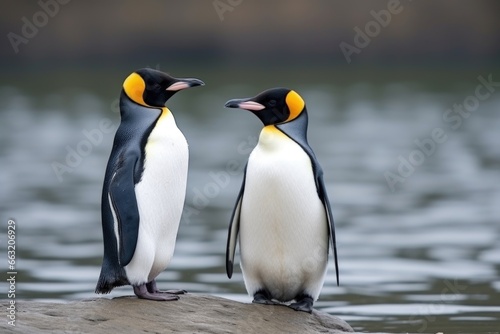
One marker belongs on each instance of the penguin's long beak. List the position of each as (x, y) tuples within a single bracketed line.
[(184, 83), (246, 104)]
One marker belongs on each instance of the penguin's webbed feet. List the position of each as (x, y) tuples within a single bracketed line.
[(304, 303), (262, 297), (152, 288), (151, 292), (141, 291)]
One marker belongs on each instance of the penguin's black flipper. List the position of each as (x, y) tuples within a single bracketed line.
[(234, 230), (331, 225), (124, 207)]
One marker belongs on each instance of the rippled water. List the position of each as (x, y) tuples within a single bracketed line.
[(422, 258)]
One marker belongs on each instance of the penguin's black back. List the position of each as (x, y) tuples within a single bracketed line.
[(136, 124)]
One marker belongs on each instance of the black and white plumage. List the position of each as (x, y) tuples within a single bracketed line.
[(282, 214), (144, 186)]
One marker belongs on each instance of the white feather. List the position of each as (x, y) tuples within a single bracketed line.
[(160, 198), (283, 226), (115, 220)]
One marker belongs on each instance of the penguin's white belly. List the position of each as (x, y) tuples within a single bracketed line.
[(160, 198), (283, 226)]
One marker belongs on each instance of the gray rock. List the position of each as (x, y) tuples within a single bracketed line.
[(193, 313)]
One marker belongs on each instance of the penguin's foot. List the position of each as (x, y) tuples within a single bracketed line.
[(173, 292), (304, 303), (262, 297), (141, 291), (152, 288)]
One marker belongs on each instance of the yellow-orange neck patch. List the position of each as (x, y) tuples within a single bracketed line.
[(295, 104), (164, 113), (134, 87), (270, 135), (271, 129)]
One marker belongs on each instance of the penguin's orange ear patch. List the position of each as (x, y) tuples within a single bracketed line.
[(134, 87), (295, 104)]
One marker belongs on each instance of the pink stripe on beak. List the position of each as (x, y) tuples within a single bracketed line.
[(251, 105), (179, 85)]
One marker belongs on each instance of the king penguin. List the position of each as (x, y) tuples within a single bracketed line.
[(282, 214), (144, 186)]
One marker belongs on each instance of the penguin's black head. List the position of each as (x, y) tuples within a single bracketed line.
[(153, 88), (272, 106)]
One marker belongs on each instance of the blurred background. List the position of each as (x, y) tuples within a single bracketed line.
[(403, 99)]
